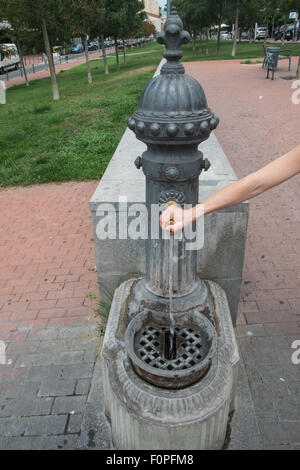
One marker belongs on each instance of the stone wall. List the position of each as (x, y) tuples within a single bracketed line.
[(222, 256)]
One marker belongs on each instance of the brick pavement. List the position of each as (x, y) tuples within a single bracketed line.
[(259, 122), (58, 67), (47, 267)]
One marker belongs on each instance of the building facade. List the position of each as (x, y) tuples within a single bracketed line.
[(153, 13)]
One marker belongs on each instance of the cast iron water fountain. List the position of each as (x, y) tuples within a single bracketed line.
[(172, 119), (169, 353)]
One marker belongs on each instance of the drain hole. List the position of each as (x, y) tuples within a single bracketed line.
[(170, 347)]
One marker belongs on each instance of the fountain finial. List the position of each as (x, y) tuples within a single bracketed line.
[(173, 37)]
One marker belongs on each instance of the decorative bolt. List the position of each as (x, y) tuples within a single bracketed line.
[(172, 130), (141, 127), (206, 164), (131, 124), (155, 128), (189, 129), (172, 173), (204, 127), (214, 123), (138, 162)]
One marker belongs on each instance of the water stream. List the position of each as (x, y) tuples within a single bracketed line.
[(172, 346)]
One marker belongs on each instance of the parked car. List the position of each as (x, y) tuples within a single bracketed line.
[(76, 49), (94, 46), (225, 35), (244, 35), (262, 33), (58, 49), (9, 57), (289, 35)]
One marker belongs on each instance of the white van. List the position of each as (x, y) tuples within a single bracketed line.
[(9, 57)]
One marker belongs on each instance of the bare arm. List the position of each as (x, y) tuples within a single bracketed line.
[(252, 185)]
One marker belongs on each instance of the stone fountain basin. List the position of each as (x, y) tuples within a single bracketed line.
[(195, 344)]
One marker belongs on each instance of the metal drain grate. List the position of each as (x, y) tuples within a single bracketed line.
[(150, 346)]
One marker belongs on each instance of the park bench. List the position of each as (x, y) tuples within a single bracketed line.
[(283, 54)]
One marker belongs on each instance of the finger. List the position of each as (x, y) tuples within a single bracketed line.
[(167, 215)]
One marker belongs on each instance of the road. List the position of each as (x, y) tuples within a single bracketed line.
[(42, 66)]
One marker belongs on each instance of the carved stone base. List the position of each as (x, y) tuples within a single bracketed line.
[(144, 416)]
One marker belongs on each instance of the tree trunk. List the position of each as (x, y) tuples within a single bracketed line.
[(284, 33), (298, 69), (104, 54), (194, 41), (200, 43), (219, 27), (124, 51), (236, 28), (206, 42), (22, 61), (265, 40), (117, 54), (88, 67), (50, 60)]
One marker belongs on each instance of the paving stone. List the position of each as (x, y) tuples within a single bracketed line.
[(17, 389), (250, 330), (53, 346), (69, 357), (73, 332), (288, 408), (68, 404), (90, 355), (74, 424), (43, 373), (39, 359), (84, 343), (57, 388), (83, 387), (46, 425), (23, 347), (68, 442), (81, 371), (13, 426), (25, 406), (43, 334)]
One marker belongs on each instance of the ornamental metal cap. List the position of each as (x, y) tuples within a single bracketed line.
[(173, 107)]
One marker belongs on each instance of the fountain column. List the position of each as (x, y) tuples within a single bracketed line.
[(154, 399)]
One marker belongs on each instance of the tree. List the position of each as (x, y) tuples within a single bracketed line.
[(148, 28), (81, 16), (30, 15), (236, 27), (197, 17), (122, 17), (131, 21), (17, 25)]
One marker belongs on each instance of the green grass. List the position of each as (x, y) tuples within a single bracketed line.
[(42, 140), (244, 50)]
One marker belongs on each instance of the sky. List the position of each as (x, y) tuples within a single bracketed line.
[(161, 2)]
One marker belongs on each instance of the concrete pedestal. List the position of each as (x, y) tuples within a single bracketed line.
[(143, 416)]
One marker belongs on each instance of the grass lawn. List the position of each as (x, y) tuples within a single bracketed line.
[(75, 137)]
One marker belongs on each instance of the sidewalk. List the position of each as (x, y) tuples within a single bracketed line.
[(259, 122), (58, 67), (47, 267)]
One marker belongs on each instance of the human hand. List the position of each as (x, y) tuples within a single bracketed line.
[(174, 218)]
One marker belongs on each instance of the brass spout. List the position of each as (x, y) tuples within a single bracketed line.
[(172, 221)]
